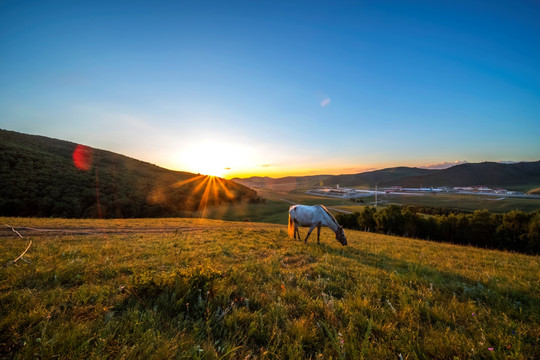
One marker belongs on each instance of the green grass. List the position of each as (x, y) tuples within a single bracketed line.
[(233, 290), (456, 201), (468, 202)]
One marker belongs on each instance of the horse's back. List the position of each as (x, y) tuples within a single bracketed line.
[(306, 214), (301, 209)]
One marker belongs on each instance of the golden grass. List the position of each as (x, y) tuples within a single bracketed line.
[(218, 290)]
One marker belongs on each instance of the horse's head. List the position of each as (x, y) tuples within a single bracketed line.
[(340, 236)]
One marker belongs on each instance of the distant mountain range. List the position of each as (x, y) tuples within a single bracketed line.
[(517, 176), (41, 176)]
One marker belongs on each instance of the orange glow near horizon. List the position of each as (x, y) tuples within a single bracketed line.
[(279, 172), (227, 159)]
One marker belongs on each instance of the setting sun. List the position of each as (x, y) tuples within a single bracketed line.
[(214, 158)]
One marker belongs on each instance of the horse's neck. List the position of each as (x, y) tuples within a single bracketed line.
[(330, 222)]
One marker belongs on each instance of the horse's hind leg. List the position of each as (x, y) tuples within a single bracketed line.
[(296, 231)]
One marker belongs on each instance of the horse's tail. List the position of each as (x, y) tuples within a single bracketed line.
[(291, 227)]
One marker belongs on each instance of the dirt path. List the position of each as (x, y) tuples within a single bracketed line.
[(9, 231)]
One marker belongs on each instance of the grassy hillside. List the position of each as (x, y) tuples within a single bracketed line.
[(40, 178), (176, 288)]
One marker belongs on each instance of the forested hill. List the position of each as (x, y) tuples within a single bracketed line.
[(369, 178), (41, 176), (522, 176)]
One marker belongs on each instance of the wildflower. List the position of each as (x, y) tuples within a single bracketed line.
[(473, 314), (490, 349)]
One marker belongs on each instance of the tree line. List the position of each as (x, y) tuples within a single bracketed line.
[(515, 230)]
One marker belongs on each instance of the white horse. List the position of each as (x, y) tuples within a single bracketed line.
[(313, 216)]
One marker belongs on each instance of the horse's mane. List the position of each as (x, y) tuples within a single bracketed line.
[(328, 213)]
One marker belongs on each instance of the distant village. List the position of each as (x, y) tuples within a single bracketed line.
[(350, 193)]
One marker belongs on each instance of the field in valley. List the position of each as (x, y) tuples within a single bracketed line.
[(468, 202), (274, 209), (210, 289)]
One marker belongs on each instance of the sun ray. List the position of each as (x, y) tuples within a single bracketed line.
[(228, 193), (215, 188), (187, 181), (201, 184), (204, 199)]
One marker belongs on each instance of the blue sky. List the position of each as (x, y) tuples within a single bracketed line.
[(277, 88)]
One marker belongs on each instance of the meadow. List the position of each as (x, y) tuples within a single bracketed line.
[(210, 289)]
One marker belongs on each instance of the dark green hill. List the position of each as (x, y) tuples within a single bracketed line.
[(39, 178), (522, 175), (374, 177)]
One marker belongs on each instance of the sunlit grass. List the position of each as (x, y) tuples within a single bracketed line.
[(217, 289)]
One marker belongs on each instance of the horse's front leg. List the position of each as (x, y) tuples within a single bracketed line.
[(309, 232), (318, 233)]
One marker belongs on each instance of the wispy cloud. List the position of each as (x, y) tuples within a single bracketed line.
[(443, 165), (357, 170), (265, 165), (325, 102)]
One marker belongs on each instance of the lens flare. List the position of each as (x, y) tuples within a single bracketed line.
[(82, 157)]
